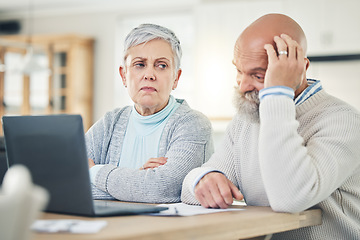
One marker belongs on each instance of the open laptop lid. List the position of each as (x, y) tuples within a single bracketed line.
[(3, 161), (53, 148)]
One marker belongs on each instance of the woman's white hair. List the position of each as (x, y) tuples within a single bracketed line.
[(147, 32)]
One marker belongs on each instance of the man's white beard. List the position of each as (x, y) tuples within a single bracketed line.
[(247, 104)]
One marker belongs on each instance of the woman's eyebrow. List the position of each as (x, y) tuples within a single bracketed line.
[(139, 58), (162, 58)]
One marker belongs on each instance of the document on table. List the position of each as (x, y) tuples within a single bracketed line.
[(68, 226), (182, 209)]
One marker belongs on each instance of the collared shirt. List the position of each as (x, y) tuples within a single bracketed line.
[(314, 87)]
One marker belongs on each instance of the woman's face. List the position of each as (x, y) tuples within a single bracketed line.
[(149, 74)]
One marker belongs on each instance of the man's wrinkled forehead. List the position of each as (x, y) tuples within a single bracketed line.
[(245, 52)]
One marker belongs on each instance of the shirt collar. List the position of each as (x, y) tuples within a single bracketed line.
[(314, 87)]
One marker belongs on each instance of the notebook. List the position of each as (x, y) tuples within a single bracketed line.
[(53, 148)]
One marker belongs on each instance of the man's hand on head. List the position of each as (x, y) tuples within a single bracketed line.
[(287, 68), (216, 191)]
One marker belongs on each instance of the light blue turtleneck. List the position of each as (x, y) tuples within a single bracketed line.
[(142, 138), (143, 134)]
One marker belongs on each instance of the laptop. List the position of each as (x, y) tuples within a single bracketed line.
[(3, 162), (53, 148)]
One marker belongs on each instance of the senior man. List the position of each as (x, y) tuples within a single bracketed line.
[(291, 146)]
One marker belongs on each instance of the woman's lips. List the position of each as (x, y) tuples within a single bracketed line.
[(148, 89)]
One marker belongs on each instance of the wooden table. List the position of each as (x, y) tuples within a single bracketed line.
[(251, 223)]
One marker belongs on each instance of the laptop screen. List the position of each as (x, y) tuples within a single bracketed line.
[(53, 149), (3, 162)]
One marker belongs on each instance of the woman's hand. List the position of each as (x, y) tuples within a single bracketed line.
[(154, 163), (91, 163)]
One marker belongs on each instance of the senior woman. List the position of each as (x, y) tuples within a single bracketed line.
[(142, 153)]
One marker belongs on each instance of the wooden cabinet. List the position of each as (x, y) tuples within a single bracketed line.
[(67, 88)]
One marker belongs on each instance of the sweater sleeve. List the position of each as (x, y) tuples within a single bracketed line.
[(297, 174), (189, 145), (221, 161)]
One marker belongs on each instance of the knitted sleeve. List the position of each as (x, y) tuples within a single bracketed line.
[(222, 160), (189, 145), (300, 171)]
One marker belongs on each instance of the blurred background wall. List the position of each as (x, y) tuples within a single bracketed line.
[(207, 30)]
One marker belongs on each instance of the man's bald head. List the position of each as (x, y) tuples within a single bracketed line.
[(263, 30), (251, 58)]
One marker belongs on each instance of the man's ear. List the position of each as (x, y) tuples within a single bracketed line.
[(307, 63), (122, 74)]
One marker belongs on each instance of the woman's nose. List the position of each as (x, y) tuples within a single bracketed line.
[(149, 75)]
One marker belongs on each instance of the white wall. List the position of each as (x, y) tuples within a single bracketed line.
[(332, 27)]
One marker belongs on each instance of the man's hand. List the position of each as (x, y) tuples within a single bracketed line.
[(91, 163), (216, 191), (285, 69), (154, 163)]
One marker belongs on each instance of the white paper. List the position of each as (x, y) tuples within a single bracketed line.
[(68, 225), (182, 209)]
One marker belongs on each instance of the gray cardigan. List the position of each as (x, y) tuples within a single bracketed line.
[(186, 141)]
